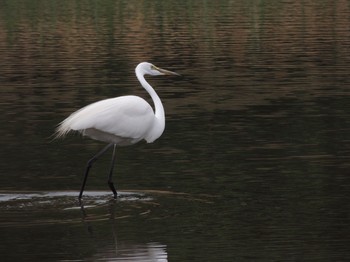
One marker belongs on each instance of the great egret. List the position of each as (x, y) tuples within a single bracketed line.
[(119, 121)]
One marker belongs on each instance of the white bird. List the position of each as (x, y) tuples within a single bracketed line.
[(119, 121)]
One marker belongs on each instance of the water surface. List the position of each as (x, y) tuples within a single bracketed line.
[(254, 161)]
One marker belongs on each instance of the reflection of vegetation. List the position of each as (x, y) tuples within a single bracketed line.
[(89, 47), (42, 13)]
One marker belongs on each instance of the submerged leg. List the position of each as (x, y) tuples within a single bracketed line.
[(110, 180), (89, 165)]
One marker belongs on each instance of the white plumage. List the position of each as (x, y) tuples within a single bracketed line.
[(120, 121)]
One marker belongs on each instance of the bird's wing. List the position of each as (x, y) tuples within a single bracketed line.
[(126, 116)]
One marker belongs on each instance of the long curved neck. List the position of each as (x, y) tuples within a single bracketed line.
[(159, 109)]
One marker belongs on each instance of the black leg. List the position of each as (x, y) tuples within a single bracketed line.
[(110, 180), (89, 165)]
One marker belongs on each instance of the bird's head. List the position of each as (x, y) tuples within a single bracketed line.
[(150, 69)]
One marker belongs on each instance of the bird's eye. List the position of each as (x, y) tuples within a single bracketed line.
[(153, 67)]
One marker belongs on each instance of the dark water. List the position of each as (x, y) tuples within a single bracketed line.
[(253, 165)]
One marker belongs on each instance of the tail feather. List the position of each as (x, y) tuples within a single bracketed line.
[(62, 130), (67, 125)]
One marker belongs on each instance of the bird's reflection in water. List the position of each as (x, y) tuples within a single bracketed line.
[(119, 249), (88, 220)]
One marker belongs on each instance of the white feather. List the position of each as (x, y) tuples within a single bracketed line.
[(124, 117)]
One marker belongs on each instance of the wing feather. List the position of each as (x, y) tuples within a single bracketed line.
[(126, 116)]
